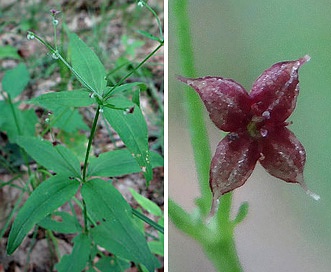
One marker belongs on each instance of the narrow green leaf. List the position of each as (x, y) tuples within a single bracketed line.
[(56, 158), (116, 230), (145, 203), (48, 196), (128, 87), (148, 35), (64, 223), (242, 213), (88, 66), (77, 260), (132, 129), (150, 222), (15, 80), (118, 163), (75, 98)]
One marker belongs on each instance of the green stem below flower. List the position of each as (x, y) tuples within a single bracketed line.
[(217, 241)]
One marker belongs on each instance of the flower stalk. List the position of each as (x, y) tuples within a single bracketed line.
[(220, 249)]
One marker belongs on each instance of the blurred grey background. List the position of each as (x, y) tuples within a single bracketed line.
[(285, 229)]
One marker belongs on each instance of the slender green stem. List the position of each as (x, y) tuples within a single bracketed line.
[(133, 70), (55, 243), (194, 108), (224, 255), (14, 115), (94, 126), (80, 205), (55, 36), (58, 55), (19, 131), (148, 221), (157, 19), (220, 245), (85, 217)]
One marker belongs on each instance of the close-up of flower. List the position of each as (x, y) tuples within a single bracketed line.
[(256, 122)]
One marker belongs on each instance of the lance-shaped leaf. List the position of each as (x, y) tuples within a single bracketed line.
[(147, 204), (77, 260), (63, 223), (75, 98), (56, 158), (88, 67), (115, 230), (132, 128), (48, 196), (118, 163)]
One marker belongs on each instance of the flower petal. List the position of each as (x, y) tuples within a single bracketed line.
[(275, 92), (227, 102), (284, 156), (232, 164)]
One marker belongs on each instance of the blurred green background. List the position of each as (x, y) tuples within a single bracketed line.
[(285, 230)]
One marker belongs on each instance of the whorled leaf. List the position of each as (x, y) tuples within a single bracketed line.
[(47, 197), (115, 228), (75, 98), (57, 158), (132, 128), (77, 260), (118, 163), (86, 64)]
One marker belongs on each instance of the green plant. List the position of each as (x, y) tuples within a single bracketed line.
[(62, 178)]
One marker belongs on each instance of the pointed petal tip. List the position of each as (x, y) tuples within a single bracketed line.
[(308, 192), (305, 59), (182, 79), (313, 195)]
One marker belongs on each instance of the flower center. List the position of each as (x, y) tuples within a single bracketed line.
[(256, 128), (252, 129)]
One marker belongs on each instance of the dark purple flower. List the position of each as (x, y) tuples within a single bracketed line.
[(54, 12), (256, 123)]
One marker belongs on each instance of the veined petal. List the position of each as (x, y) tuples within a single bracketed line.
[(275, 92), (232, 164), (227, 102), (284, 156)]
